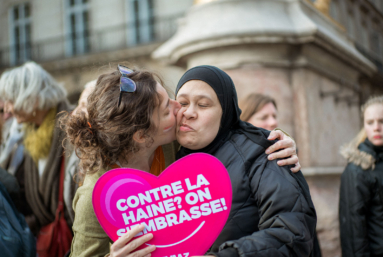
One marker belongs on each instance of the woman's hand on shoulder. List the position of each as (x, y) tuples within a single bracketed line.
[(124, 246), (289, 150)]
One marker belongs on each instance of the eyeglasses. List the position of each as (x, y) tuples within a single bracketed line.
[(127, 85)]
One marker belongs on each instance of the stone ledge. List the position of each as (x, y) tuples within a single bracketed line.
[(319, 171)]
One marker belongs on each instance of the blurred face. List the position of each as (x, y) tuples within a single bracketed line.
[(373, 124), (265, 118), (20, 116), (3, 114), (83, 101), (199, 119), (165, 118)]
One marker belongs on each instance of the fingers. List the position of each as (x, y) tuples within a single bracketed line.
[(125, 245), (122, 241), (275, 134), (288, 150), (146, 252), (134, 244), (290, 161), (296, 168), (282, 144)]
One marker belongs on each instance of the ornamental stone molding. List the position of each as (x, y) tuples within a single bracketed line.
[(197, 2), (224, 24), (323, 6)]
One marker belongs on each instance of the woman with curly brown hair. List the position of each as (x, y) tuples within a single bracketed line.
[(129, 117)]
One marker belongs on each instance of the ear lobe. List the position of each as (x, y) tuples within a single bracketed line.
[(139, 137)]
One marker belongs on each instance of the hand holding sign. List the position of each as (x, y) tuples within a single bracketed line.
[(185, 208), (125, 245)]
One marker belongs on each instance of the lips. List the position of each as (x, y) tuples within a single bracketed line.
[(377, 137), (185, 128), (168, 128)]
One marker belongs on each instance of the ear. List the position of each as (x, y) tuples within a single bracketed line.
[(139, 137)]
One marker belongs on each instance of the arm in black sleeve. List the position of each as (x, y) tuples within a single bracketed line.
[(288, 219), (354, 197)]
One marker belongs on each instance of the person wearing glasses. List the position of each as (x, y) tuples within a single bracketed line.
[(130, 121), (35, 99)]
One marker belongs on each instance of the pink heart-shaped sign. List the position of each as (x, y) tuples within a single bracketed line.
[(185, 207)]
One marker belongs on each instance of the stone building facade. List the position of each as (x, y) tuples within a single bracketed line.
[(72, 39), (320, 59)]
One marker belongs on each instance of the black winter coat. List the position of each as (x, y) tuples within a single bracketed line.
[(270, 216), (361, 202)]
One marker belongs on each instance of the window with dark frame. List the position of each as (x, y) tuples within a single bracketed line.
[(78, 36), (140, 25), (20, 33)]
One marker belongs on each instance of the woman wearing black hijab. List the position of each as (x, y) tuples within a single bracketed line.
[(272, 213)]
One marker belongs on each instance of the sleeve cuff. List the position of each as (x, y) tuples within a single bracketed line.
[(284, 132), (228, 252)]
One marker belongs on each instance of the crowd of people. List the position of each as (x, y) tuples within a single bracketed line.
[(52, 154)]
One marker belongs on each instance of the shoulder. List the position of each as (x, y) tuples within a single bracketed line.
[(83, 197), (358, 157), (355, 177), (85, 221), (240, 145), (353, 170)]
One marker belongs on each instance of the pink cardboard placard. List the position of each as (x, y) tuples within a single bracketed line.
[(185, 207)]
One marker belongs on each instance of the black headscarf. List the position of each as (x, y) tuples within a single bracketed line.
[(230, 121)]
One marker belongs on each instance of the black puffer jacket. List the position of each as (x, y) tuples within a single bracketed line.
[(361, 202), (270, 215)]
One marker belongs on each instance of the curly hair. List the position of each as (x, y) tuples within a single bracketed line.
[(107, 133)]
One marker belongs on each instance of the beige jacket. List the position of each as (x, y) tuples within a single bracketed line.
[(89, 237)]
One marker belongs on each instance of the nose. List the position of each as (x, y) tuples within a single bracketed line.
[(273, 123), (8, 107), (376, 126), (190, 112), (177, 106)]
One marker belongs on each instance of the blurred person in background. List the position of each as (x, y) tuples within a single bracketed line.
[(16, 239), (9, 181), (5, 119), (83, 100), (361, 189), (11, 147), (260, 110), (34, 98), (72, 182)]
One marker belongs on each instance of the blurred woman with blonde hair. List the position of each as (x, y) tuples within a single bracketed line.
[(361, 190)]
